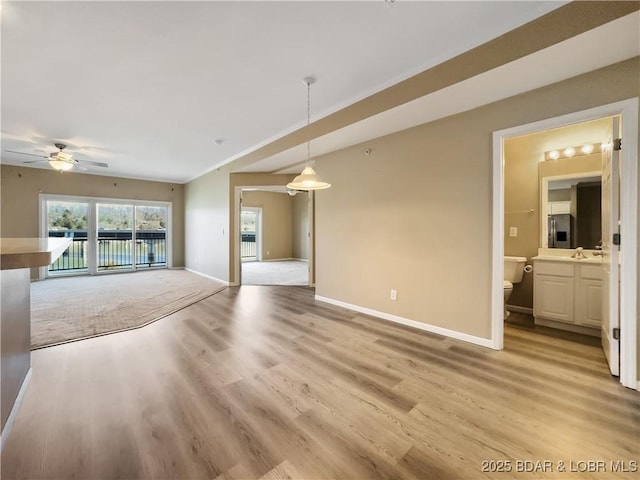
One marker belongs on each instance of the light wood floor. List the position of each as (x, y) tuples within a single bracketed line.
[(265, 382)]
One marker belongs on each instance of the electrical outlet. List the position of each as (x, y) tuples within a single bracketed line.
[(267, 253), (513, 231), (394, 295)]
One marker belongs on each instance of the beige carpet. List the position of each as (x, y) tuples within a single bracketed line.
[(73, 308), (283, 272)]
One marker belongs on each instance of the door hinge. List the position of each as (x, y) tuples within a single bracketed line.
[(616, 239), (617, 144), (616, 333)]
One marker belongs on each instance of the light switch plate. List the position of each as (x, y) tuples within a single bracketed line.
[(513, 231)]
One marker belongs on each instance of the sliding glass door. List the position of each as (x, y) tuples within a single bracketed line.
[(250, 220), (115, 237), (108, 236), (151, 236), (69, 219)]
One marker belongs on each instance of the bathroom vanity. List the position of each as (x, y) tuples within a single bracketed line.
[(567, 292)]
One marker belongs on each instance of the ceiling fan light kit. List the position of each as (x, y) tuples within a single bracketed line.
[(61, 165), (60, 161), (308, 179)]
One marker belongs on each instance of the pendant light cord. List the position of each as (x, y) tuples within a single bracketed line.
[(308, 180), (308, 122)]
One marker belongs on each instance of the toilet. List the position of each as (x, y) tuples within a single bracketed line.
[(513, 271)]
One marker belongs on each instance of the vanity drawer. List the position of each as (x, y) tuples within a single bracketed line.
[(553, 268), (591, 271)]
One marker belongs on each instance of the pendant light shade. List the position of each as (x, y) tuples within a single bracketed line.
[(308, 179)]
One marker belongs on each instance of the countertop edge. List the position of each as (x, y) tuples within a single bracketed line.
[(551, 258), (35, 258)]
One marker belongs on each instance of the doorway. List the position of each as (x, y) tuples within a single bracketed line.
[(273, 236), (628, 111)]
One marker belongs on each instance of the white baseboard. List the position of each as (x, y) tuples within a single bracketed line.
[(14, 410), (516, 308), (287, 259), (206, 276), (484, 342)]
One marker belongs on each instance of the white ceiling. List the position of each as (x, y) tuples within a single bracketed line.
[(610, 43), (149, 86)]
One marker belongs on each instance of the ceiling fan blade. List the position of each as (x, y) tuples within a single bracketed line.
[(95, 164), (36, 161), (80, 167), (31, 154)]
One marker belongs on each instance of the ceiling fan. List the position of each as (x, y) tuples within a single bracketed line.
[(60, 160)]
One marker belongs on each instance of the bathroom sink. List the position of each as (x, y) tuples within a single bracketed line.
[(589, 258)]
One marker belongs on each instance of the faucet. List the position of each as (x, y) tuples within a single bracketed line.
[(578, 255)]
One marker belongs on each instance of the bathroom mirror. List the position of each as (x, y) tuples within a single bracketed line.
[(571, 210)]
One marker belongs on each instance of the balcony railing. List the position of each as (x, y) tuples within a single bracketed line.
[(115, 250), (248, 245), (74, 258)]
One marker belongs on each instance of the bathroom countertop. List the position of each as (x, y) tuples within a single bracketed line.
[(559, 258)]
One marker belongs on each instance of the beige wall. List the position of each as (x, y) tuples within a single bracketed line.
[(21, 187), (207, 219), (301, 226), (420, 220), (524, 168), (277, 215)]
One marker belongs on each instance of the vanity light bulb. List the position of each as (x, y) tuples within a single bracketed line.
[(587, 149), (554, 154), (570, 152)]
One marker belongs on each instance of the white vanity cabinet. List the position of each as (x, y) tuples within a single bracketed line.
[(567, 294), (589, 295), (553, 290)]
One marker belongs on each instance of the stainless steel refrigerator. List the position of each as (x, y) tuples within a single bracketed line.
[(559, 230)]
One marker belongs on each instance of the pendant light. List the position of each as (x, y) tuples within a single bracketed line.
[(308, 179)]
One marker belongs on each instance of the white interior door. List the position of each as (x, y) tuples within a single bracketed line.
[(610, 252)]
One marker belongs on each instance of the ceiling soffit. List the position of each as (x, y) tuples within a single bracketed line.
[(557, 26)]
